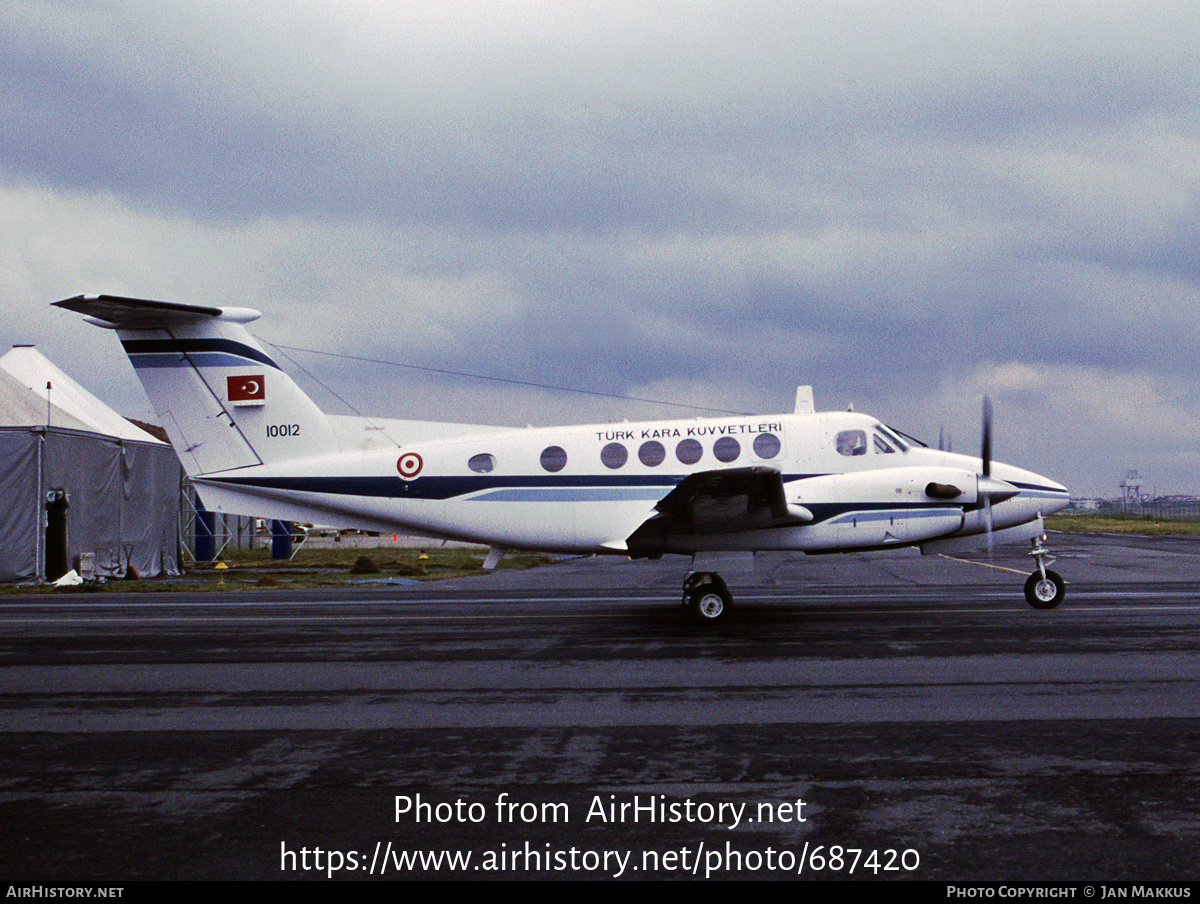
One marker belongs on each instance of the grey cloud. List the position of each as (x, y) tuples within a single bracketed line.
[(872, 197)]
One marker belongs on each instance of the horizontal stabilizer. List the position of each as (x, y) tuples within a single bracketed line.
[(141, 314)]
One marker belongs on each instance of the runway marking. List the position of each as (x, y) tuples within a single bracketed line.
[(984, 564)]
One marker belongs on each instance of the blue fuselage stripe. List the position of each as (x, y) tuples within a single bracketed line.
[(860, 513), (547, 488), (502, 489)]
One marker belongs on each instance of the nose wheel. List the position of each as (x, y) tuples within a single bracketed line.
[(707, 597), (1044, 589), (1045, 592)]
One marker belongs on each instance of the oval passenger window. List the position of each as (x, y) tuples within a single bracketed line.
[(614, 455), (652, 454), (727, 449), (482, 463), (554, 458), (689, 451), (766, 445)]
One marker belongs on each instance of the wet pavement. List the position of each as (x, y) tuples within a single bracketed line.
[(876, 715)]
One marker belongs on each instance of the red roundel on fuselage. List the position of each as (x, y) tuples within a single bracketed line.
[(409, 465)]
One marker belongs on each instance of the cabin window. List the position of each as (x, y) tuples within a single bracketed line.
[(483, 463), (614, 455), (554, 458), (652, 454), (766, 445), (852, 442), (727, 449), (689, 451)]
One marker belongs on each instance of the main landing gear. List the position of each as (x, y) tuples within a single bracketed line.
[(708, 600), (707, 597), (1045, 589)]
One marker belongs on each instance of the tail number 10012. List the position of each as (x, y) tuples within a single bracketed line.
[(276, 430)]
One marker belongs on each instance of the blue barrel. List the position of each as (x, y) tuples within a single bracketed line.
[(281, 540), (206, 540)]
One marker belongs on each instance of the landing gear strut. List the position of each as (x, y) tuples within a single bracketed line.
[(1045, 589), (707, 596)]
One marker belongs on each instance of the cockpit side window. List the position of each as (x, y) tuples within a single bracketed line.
[(881, 444), (852, 442)]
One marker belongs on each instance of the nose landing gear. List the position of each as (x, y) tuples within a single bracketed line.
[(1044, 589)]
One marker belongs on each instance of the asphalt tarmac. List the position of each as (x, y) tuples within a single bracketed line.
[(875, 716)]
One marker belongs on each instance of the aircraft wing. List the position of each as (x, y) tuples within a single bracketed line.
[(711, 502)]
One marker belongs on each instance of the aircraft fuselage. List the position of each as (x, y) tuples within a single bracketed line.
[(587, 488)]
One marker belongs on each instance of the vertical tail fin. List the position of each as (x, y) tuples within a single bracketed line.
[(223, 401)]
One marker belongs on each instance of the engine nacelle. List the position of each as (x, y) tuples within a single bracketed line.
[(905, 486), (891, 507)]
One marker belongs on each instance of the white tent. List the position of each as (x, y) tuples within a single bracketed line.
[(77, 478), (34, 370)]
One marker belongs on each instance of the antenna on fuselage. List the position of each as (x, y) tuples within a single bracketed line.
[(804, 401)]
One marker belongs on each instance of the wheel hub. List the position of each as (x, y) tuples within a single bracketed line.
[(711, 605)]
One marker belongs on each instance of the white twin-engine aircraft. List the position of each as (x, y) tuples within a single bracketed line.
[(717, 489)]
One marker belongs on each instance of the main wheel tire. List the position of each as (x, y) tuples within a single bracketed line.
[(1045, 593), (710, 602)]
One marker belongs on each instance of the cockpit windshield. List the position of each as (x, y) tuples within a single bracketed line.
[(912, 440), (892, 436)]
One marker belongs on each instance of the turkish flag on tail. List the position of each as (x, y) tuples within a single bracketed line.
[(252, 388)]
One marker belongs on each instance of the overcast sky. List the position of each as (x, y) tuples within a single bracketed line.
[(905, 204)]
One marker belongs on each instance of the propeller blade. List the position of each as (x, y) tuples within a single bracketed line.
[(991, 543), (986, 453)]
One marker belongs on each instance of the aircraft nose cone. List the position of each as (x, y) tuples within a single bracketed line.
[(1056, 497), (1037, 492)]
